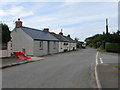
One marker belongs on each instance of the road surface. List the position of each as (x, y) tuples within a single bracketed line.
[(66, 70), (109, 57)]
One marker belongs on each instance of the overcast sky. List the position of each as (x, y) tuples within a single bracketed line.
[(79, 19)]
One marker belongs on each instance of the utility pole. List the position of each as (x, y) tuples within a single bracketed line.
[(106, 26)]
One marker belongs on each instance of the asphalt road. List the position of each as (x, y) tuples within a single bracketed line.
[(65, 70), (108, 57)]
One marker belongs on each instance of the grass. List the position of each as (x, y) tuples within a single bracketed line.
[(117, 66), (99, 49)]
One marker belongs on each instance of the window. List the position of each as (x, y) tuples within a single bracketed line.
[(41, 44), (11, 44), (65, 43), (61, 45)]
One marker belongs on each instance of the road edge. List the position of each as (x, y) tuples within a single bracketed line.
[(97, 78), (19, 63)]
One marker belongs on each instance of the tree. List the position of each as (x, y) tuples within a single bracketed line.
[(5, 33), (99, 40), (79, 43)]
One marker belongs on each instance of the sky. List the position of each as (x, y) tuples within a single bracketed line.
[(80, 19)]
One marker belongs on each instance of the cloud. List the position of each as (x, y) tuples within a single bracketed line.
[(78, 19), (18, 11), (59, 0)]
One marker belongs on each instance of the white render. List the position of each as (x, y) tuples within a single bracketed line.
[(53, 47), (21, 40), (38, 51), (66, 47), (9, 48), (75, 46), (72, 46), (61, 46)]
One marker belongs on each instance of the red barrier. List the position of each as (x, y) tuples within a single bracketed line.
[(20, 55)]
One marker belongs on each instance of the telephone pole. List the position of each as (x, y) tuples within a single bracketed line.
[(106, 26)]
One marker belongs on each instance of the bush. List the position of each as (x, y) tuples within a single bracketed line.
[(90, 45), (112, 47)]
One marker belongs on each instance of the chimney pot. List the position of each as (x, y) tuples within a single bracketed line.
[(18, 18), (46, 30), (68, 35), (18, 23), (61, 33)]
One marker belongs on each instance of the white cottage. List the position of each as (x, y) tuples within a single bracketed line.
[(36, 42), (33, 42), (71, 43), (66, 43), (63, 42)]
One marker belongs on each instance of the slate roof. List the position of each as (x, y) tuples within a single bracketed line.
[(59, 37), (70, 39), (38, 34)]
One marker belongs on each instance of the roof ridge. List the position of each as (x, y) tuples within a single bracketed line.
[(31, 28)]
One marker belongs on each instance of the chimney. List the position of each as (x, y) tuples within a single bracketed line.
[(68, 35), (18, 23), (61, 33), (46, 30)]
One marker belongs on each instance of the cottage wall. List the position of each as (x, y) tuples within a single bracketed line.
[(40, 51), (75, 46), (21, 42), (66, 47), (53, 47), (61, 47), (70, 46), (9, 48)]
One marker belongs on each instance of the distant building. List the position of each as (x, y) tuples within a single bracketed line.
[(36, 42), (63, 42)]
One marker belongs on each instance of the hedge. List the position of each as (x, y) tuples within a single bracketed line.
[(112, 47)]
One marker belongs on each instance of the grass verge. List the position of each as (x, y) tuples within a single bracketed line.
[(117, 66)]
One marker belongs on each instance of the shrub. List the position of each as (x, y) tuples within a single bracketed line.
[(112, 47)]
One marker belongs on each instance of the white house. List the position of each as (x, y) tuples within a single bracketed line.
[(71, 43), (63, 42), (66, 43), (33, 42), (36, 42)]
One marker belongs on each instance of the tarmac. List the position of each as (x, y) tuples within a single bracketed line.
[(107, 76)]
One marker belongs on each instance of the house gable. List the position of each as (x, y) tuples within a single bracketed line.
[(21, 40)]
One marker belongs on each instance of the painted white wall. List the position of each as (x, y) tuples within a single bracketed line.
[(74, 45), (71, 46), (9, 48), (21, 40), (38, 51), (53, 47), (61, 47), (66, 47)]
